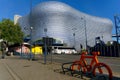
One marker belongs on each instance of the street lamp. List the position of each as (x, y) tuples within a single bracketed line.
[(45, 45), (45, 30), (31, 30), (83, 18), (74, 36)]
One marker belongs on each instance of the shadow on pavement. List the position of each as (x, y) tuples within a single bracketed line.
[(86, 77), (116, 78)]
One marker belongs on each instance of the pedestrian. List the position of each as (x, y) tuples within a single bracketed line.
[(3, 47)]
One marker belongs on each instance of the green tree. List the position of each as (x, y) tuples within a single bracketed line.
[(10, 32)]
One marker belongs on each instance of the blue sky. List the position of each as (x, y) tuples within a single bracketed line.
[(100, 8)]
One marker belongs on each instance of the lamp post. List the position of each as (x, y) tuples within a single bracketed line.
[(31, 30), (85, 28), (45, 45), (74, 36)]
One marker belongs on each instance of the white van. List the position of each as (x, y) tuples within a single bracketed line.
[(64, 50)]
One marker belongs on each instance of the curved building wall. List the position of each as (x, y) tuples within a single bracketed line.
[(62, 21)]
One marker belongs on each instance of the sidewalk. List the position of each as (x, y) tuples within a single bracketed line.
[(21, 69), (4, 74), (15, 68)]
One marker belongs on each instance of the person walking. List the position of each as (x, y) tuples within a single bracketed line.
[(3, 47)]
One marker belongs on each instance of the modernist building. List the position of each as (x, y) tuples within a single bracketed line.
[(65, 24)]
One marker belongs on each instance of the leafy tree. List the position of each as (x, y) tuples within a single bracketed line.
[(10, 32)]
